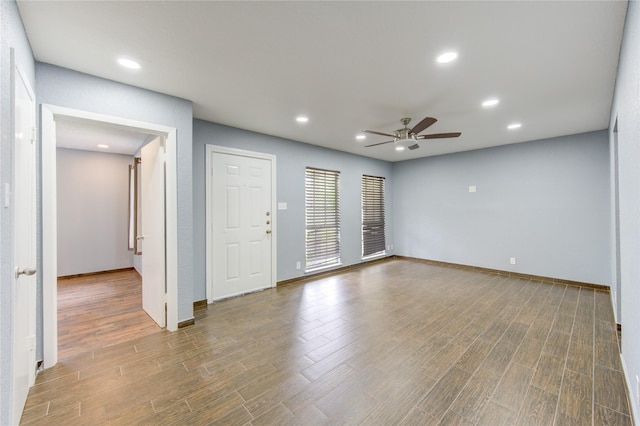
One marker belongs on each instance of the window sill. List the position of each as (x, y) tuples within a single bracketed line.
[(375, 255)]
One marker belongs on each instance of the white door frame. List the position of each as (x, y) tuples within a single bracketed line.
[(49, 233), (210, 149)]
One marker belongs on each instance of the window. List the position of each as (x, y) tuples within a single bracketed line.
[(322, 216), (373, 241)]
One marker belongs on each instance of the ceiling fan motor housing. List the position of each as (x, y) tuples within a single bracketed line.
[(405, 133)]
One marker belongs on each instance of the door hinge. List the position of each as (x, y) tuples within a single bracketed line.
[(34, 134), (165, 298)]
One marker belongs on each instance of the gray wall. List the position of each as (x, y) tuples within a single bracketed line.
[(66, 88), (544, 203), (93, 206), (626, 108), (291, 159), (12, 35)]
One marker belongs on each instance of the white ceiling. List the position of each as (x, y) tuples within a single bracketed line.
[(77, 133), (356, 65)]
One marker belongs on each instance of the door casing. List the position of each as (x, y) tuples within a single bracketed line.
[(210, 149)]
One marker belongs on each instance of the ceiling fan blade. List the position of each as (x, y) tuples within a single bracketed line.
[(380, 143), (426, 122), (440, 135), (414, 146), (379, 133)]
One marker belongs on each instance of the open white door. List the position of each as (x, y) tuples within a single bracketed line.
[(241, 222), (152, 237), (24, 251)]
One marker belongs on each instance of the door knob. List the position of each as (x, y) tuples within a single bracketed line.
[(25, 271)]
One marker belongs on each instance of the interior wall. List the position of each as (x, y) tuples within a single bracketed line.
[(66, 88), (291, 160), (543, 202), (12, 36), (93, 206), (626, 109)]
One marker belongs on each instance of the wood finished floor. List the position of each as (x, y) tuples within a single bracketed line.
[(397, 342), (96, 311)]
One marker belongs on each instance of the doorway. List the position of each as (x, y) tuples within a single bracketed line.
[(99, 296), (49, 114), (241, 222)]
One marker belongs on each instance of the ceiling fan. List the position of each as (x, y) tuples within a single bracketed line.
[(408, 138)]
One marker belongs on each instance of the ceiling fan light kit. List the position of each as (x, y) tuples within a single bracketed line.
[(408, 138)]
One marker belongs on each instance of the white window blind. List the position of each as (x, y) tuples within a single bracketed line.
[(322, 214), (373, 239)]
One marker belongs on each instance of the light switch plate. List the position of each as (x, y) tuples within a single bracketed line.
[(282, 206), (472, 188), (7, 195)]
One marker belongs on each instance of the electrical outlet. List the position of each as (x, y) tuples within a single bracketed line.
[(512, 260), (298, 266)]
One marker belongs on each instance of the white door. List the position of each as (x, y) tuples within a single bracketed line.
[(152, 236), (24, 237), (240, 206)]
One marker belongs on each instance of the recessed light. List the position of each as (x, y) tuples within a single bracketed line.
[(129, 63), (514, 126), (361, 137), (399, 148), (302, 119), (447, 57), (490, 102), (103, 146)]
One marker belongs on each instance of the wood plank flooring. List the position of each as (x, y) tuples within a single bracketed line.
[(397, 342), (95, 311)]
